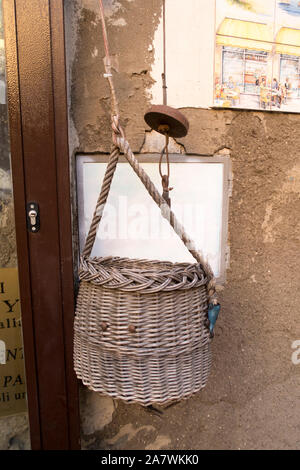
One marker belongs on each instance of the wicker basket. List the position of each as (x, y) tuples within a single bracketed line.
[(141, 331), (141, 337)]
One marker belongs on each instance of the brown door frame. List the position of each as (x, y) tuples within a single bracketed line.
[(37, 106)]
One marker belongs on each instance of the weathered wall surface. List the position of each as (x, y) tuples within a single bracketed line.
[(252, 398)]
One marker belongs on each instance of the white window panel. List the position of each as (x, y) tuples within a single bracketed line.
[(132, 225)]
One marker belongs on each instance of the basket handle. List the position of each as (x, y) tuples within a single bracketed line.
[(121, 144)]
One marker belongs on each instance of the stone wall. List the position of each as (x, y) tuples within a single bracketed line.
[(251, 400)]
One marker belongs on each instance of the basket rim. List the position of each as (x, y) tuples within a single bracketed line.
[(143, 275), (111, 258)]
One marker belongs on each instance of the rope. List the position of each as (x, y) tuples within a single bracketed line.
[(107, 64), (109, 173), (121, 144)]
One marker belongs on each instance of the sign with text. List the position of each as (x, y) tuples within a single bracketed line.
[(12, 372)]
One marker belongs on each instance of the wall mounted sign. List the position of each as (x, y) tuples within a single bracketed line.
[(257, 58), (245, 54), (132, 225), (12, 372)]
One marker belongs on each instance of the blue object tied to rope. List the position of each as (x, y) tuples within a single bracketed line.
[(213, 313)]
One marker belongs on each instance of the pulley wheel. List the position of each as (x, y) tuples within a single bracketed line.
[(162, 115)]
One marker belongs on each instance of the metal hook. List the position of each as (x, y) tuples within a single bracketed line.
[(165, 178)]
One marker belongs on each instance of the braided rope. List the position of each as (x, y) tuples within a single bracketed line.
[(121, 144), (167, 213), (109, 173)]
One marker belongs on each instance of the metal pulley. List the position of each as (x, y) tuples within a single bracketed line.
[(171, 123), (165, 119)]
